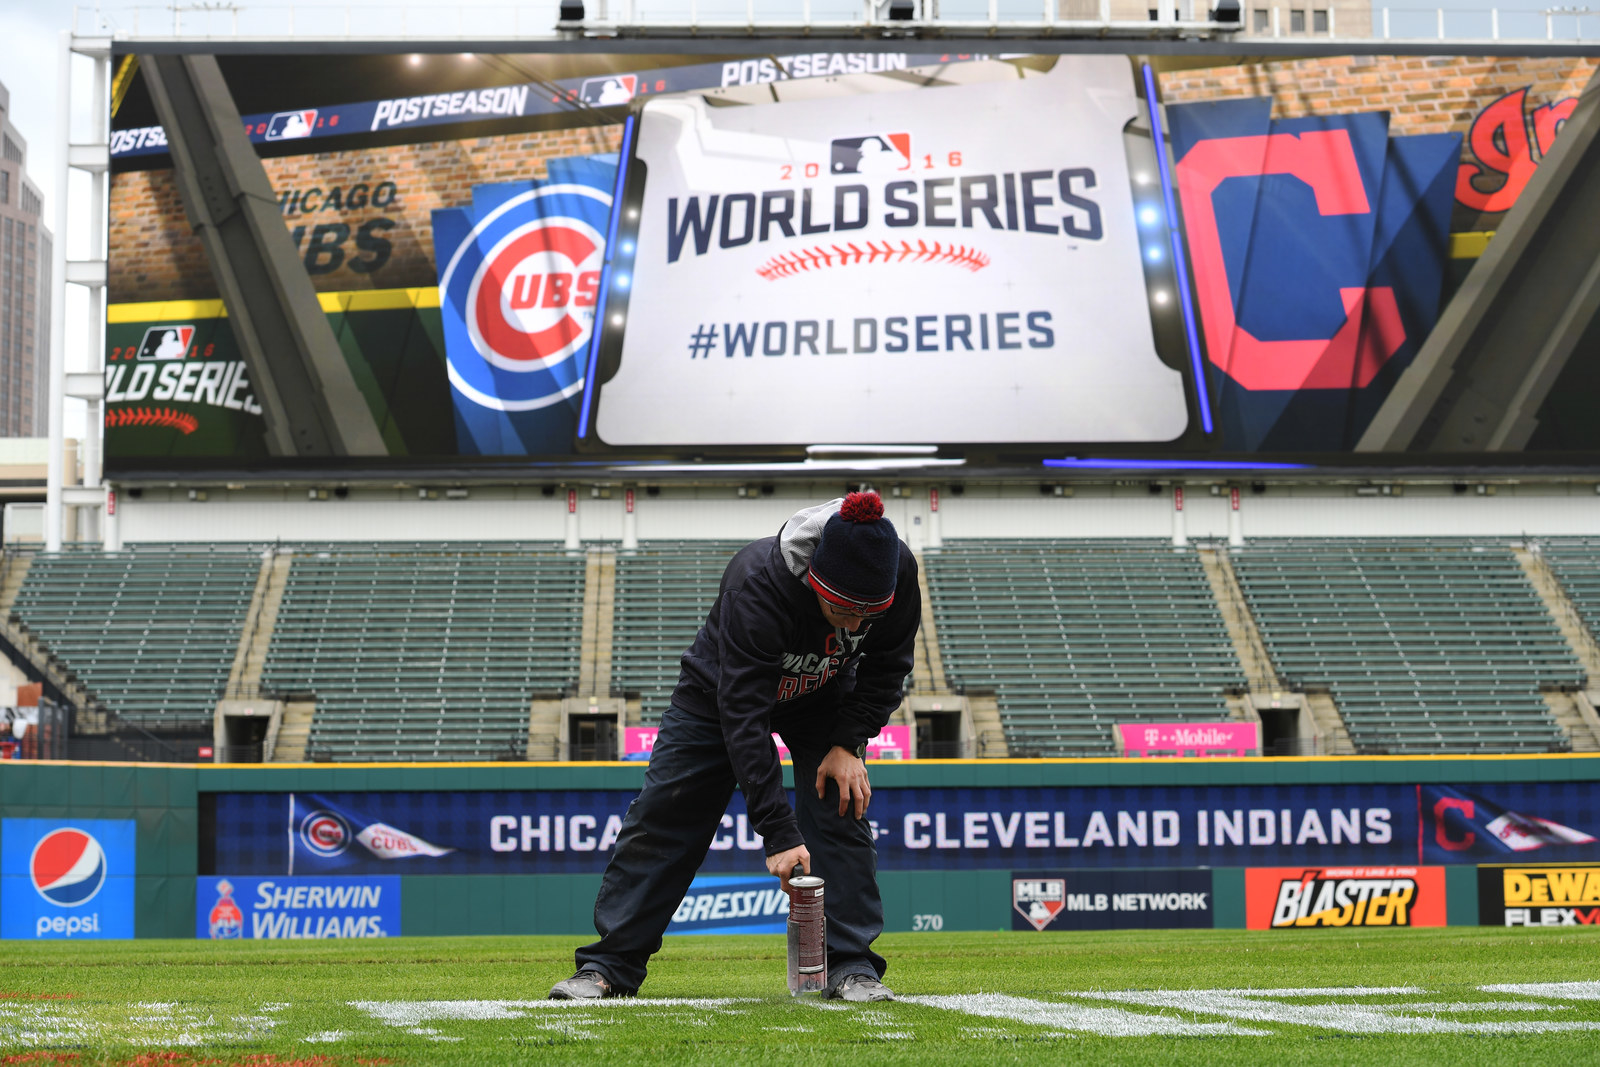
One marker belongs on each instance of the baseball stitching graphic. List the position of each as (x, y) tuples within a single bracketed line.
[(177, 420), (816, 257)]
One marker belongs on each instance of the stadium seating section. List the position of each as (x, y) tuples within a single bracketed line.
[(1076, 636), (151, 632), (663, 591), (1576, 564), (1427, 645), (434, 651), (426, 651)]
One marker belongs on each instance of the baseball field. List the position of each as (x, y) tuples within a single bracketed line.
[(1440, 996)]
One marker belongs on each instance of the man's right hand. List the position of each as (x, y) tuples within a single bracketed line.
[(783, 864)]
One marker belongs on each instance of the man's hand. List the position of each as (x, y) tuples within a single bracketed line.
[(842, 766), (783, 864)]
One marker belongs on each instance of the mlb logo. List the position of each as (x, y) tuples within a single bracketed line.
[(292, 125), (876, 153), (166, 342), (608, 90), (1039, 900)]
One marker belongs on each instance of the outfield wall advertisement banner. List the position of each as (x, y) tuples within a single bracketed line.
[(66, 879), (1112, 900), (1291, 898), (732, 904), (923, 829), (984, 248), (296, 908), (1539, 895)]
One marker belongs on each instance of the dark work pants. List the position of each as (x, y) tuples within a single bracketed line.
[(668, 830)]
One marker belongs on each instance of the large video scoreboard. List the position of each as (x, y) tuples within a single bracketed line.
[(533, 261)]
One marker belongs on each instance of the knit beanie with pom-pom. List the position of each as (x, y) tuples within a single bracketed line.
[(857, 562)]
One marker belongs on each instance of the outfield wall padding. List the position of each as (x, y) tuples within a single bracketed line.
[(165, 802)]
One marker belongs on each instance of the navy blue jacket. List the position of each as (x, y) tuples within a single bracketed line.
[(766, 660)]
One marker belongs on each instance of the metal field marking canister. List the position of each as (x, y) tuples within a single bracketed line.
[(808, 937)]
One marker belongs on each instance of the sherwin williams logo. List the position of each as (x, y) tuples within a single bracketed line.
[(68, 867), (226, 920)]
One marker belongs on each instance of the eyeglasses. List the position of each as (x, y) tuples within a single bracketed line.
[(851, 613)]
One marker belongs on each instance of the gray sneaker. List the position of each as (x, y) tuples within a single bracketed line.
[(860, 988), (585, 985)]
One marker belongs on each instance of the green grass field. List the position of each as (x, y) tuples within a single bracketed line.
[(1213, 997)]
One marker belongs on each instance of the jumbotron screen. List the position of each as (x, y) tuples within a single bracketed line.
[(529, 261)]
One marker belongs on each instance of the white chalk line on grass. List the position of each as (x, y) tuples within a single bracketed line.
[(1132, 1013), (1107, 1022), (1277, 1006), (1554, 990)]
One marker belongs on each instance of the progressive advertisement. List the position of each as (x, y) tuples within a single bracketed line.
[(1017, 829), (1015, 261)]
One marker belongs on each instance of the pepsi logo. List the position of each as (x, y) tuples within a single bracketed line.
[(324, 833), (68, 867), (522, 286)]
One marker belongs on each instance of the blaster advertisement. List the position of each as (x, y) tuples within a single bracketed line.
[(1290, 898), (986, 241)]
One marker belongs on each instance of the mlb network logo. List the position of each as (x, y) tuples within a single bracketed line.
[(292, 125), (1039, 900), (66, 880)]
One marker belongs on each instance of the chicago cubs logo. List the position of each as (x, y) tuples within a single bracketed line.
[(324, 833), (525, 282), (68, 867)]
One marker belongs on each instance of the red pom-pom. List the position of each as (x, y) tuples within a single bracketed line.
[(861, 507)]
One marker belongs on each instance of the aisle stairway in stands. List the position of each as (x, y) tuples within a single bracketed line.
[(1074, 636), (149, 631), (1428, 645), (1566, 573), (426, 650)]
